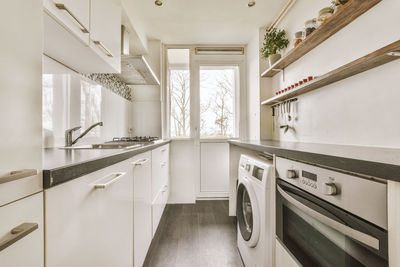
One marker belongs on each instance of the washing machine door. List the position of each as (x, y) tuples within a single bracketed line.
[(248, 213)]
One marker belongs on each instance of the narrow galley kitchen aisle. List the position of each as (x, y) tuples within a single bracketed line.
[(195, 235)]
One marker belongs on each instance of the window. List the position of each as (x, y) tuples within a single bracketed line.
[(217, 101), (179, 92)]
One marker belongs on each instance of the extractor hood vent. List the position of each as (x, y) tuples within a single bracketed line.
[(136, 71), (219, 51)]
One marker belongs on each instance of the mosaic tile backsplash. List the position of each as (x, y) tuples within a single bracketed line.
[(112, 82)]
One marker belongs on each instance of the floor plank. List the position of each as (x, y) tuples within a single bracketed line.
[(194, 235)]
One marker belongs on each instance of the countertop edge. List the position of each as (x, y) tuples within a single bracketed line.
[(358, 166), (59, 175)]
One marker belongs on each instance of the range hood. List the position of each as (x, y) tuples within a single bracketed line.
[(134, 69)]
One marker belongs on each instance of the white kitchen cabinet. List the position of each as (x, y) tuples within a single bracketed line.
[(72, 14), (159, 182), (29, 250), (89, 220), (142, 218), (105, 31), (84, 35)]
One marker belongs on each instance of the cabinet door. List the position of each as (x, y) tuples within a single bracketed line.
[(142, 231), (73, 15), (29, 250), (89, 220), (105, 31)]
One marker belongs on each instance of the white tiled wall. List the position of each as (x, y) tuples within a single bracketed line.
[(63, 107)]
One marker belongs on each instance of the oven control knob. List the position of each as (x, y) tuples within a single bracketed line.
[(292, 174), (329, 189)]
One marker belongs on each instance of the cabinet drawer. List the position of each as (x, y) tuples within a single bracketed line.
[(29, 250), (160, 169), (94, 211), (158, 206)]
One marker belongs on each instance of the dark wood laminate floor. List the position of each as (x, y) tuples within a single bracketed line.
[(194, 235)]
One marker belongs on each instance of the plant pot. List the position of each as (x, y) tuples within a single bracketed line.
[(273, 58)]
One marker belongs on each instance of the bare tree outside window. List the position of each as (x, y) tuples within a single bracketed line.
[(217, 89), (179, 88)]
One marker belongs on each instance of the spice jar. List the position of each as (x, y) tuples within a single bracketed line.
[(298, 38), (325, 14), (310, 26)]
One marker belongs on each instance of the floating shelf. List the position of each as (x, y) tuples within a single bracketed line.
[(345, 15), (379, 57)]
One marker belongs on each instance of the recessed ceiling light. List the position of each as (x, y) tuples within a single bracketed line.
[(251, 3), (158, 3)]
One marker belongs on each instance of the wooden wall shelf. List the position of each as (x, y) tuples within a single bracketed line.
[(379, 57), (345, 15)]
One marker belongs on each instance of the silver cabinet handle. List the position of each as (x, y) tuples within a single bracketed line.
[(140, 162), (163, 164), (16, 175), (109, 180), (163, 150), (63, 7), (107, 52), (357, 235), (17, 233)]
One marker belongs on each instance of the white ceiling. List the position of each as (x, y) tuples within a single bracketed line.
[(202, 21)]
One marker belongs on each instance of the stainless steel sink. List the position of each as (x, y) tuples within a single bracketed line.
[(103, 146)]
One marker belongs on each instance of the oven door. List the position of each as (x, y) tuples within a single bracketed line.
[(319, 234)]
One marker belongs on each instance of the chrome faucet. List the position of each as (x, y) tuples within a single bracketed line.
[(68, 134)]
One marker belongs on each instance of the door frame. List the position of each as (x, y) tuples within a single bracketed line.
[(241, 105), (196, 61)]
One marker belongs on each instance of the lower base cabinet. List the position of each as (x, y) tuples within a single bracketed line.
[(89, 220), (27, 251), (142, 217)]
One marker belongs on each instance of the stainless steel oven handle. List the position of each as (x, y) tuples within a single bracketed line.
[(350, 232)]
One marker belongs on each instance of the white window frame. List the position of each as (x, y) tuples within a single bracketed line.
[(195, 61)]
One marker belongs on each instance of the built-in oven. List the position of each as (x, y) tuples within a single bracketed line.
[(329, 218)]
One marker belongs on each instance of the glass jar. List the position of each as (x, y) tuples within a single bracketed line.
[(310, 26), (325, 14)]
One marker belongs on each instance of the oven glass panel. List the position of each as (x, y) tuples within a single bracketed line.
[(316, 244)]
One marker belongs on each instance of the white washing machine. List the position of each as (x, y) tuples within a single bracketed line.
[(254, 210)]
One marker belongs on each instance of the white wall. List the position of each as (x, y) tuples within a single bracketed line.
[(360, 110), (184, 172), (253, 88), (115, 111), (259, 117), (147, 98)]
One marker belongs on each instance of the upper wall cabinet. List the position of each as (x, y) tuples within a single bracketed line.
[(72, 15), (105, 30), (84, 35)]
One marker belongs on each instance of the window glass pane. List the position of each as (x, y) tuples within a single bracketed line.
[(217, 101), (179, 92)]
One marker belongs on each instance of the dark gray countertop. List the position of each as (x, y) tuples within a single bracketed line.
[(61, 165), (371, 161)]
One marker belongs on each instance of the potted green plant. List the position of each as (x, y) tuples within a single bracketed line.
[(274, 41)]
